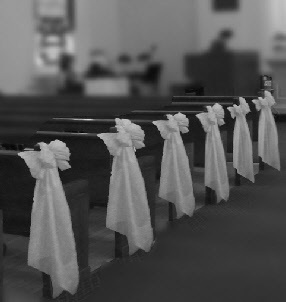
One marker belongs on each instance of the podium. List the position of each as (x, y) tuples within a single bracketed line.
[(278, 72), (225, 73)]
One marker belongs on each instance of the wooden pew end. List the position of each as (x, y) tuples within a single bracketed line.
[(237, 179), (210, 198)]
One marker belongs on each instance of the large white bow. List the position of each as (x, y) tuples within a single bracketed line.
[(267, 102), (213, 116), (242, 143), (241, 110), (52, 247), (268, 148), (135, 132), (175, 123), (129, 135), (219, 113), (128, 212), (216, 176), (176, 184)]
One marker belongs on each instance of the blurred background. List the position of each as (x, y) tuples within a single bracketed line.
[(140, 47)]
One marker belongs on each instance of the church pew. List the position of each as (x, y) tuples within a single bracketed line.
[(144, 118), (193, 140), (225, 101), (90, 159), (16, 200), (21, 116), (229, 122), (153, 140), (147, 116)]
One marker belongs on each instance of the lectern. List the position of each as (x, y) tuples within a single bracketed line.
[(224, 73)]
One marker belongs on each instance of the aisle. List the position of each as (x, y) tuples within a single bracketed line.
[(233, 251)]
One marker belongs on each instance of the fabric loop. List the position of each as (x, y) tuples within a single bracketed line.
[(268, 147), (219, 113), (242, 144), (135, 132), (52, 247), (176, 180), (128, 212)]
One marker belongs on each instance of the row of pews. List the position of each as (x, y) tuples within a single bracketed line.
[(77, 122)]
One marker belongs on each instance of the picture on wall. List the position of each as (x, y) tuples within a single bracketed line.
[(225, 5)]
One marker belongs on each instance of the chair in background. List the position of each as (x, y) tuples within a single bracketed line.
[(152, 76)]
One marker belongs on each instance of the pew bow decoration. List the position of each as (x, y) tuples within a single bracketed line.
[(129, 135), (216, 176), (52, 247), (218, 112), (176, 180), (242, 143), (128, 211), (268, 149)]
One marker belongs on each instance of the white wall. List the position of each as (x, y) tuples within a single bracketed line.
[(176, 26), (97, 28), (246, 24), (253, 24), (16, 46), (168, 23)]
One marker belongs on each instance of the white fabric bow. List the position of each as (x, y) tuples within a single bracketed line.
[(216, 176), (137, 135), (268, 148), (52, 247), (242, 143), (176, 183), (176, 123), (219, 113), (129, 135), (128, 212), (241, 110)]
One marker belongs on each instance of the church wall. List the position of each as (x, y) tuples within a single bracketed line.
[(169, 24), (252, 25), (97, 28), (16, 45), (177, 27)]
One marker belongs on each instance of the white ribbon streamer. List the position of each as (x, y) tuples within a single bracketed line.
[(176, 184), (268, 148), (242, 143), (52, 247), (216, 176), (128, 212)]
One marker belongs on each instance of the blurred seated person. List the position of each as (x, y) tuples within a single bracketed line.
[(220, 43), (147, 73), (124, 65), (70, 83), (99, 66)]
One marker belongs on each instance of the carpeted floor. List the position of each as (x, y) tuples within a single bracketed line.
[(231, 252)]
